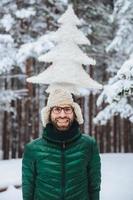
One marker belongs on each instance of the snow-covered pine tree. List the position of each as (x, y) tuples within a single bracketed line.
[(19, 25), (119, 91), (10, 40), (8, 52), (67, 58)]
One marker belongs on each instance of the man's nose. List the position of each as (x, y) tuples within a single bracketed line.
[(62, 113)]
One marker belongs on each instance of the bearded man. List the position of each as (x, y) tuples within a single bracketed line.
[(63, 164)]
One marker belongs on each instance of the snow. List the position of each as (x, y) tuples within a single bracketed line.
[(6, 38), (6, 97), (34, 49), (65, 2), (123, 16), (122, 107), (11, 193), (7, 53), (116, 93), (7, 21), (121, 65), (126, 69), (25, 13), (117, 177), (10, 172)]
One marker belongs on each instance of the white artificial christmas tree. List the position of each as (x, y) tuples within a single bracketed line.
[(67, 58)]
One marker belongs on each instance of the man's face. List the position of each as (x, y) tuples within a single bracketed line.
[(62, 117)]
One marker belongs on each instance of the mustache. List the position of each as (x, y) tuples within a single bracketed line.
[(62, 118), (65, 119)]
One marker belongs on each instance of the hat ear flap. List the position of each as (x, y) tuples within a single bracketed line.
[(78, 113), (45, 112)]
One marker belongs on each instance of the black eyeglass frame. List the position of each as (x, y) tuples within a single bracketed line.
[(53, 109)]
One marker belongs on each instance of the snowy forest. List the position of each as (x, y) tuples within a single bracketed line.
[(25, 35)]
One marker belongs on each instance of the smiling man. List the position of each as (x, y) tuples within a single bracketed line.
[(64, 164), (62, 117)]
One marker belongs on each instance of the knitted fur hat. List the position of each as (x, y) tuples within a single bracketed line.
[(57, 98)]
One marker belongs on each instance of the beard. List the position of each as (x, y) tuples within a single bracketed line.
[(62, 124)]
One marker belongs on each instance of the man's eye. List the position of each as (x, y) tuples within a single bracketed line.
[(57, 109), (68, 109)]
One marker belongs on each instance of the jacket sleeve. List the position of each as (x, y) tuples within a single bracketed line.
[(28, 174), (94, 173)]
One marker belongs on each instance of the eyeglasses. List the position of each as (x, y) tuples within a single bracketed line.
[(67, 110)]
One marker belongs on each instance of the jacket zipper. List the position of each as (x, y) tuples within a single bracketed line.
[(63, 171)]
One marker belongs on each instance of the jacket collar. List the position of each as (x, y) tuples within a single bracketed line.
[(52, 134)]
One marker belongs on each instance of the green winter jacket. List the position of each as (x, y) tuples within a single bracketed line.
[(61, 170)]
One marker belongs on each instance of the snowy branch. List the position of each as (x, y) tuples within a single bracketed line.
[(121, 85), (121, 108)]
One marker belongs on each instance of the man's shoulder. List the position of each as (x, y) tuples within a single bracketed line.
[(90, 143), (32, 148), (34, 143), (87, 139)]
